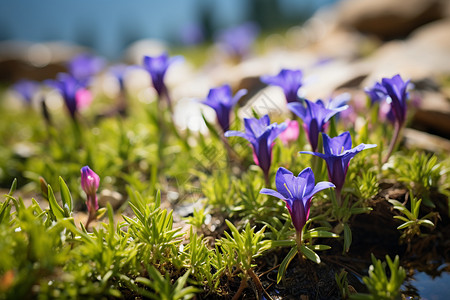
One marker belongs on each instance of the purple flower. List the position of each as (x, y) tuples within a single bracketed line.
[(89, 183), (339, 101), (72, 91), (237, 41), (394, 90), (297, 193), (314, 116), (261, 134), (84, 66), (376, 93), (26, 89), (338, 153), (157, 67), (221, 100), (289, 80)]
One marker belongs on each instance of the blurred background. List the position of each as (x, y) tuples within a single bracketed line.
[(341, 46), (109, 26)]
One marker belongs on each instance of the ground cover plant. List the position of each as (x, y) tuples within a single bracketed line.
[(126, 204)]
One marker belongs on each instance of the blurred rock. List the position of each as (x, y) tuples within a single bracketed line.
[(422, 140), (36, 61), (433, 35), (109, 196), (389, 19), (433, 114), (134, 54)]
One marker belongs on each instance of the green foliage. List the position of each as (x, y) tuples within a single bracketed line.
[(205, 264), (25, 244), (152, 229), (342, 282), (412, 222), (305, 245), (342, 213), (422, 174), (380, 286), (240, 249), (366, 186), (163, 287), (198, 218)]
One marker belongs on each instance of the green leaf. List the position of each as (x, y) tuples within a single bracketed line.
[(66, 197), (406, 224), (347, 237), (426, 223), (281, 243), (401, 218), (54, 206), (416, 209), (320, 234), (285, 263), (13, 187), (310, 254), (320, 247), (211, 128)]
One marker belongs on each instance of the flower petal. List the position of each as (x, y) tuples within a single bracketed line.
[(273, 193)]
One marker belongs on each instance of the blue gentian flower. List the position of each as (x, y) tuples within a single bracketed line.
[(261, 134), (337, 154), (237, 41), (289, 80), (68, 86), (376, 93), (26, 89), (315, 116), (84, 66), (222, 101), (157, 67), (297, 193), (394, 90)]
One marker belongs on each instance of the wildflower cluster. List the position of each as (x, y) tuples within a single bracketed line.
[(194, 213)]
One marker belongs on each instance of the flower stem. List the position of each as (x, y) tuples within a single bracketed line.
[(267, 178), (257, 282), (242, 286), (298, 240), (397, 129)]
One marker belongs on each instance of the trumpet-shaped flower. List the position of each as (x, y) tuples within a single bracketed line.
[(394, 90), (338, 152), (89, 183), (157, 67), (84, 66), (297, 193), (237, 41), (315, 116), (72, 91), (222, 101), (289, 80), (26, 89), (261, 134)]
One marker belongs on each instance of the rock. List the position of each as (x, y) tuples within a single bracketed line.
[(36, 61), (389, 19), (108, 196), (418, 139), (433, 35), (433, 113)]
